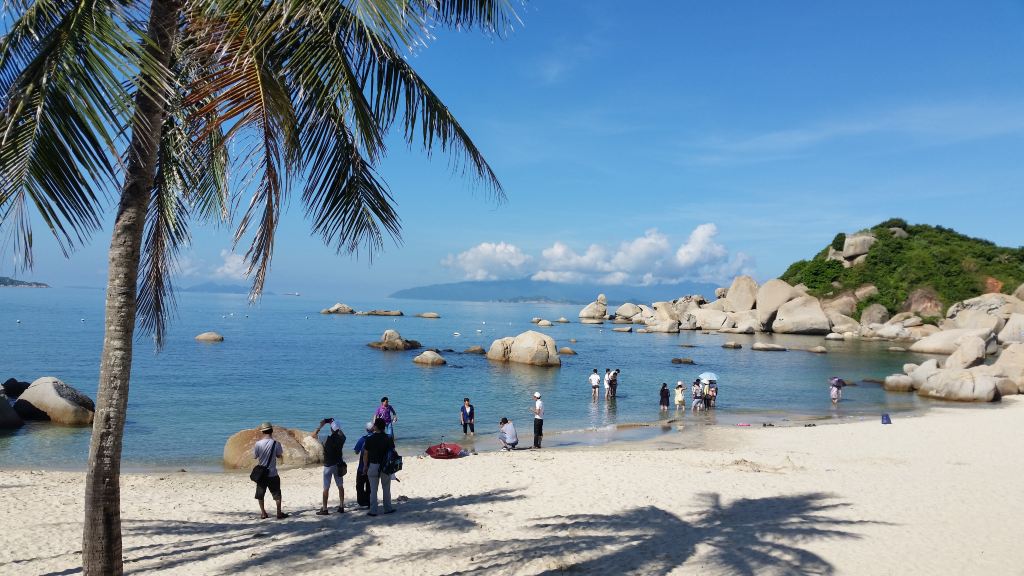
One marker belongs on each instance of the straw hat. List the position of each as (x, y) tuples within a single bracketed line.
[(266, 427)]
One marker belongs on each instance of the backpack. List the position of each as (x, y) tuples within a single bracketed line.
[(392, 463)]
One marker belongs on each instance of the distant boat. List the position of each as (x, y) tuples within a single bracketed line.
[(453, 333), (292, 294)]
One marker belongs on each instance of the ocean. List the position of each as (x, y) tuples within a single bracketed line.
[(285, 362)]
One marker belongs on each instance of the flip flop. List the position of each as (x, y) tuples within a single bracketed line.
[(282, 516), (322, 512)]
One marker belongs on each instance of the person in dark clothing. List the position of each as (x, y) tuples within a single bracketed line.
[(663, 397), (467, 414), (538, 420), (362, 480), (375, 450), (334, 462)]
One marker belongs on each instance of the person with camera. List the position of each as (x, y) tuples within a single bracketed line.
[(334, 463), (375, 450)]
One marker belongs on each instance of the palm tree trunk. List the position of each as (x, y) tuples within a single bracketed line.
[(101, 540)]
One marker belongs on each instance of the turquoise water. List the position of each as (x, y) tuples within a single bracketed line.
[(283, 361)]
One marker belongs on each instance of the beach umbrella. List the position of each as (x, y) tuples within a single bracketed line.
[(444, 451), (708, 377)]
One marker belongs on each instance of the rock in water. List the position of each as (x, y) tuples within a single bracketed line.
[(743, 293), (430, 315), (527, 348), (591, 321), (9, 419), (391, 340), (209, 337), (627, 310), (50, 399), (562, 320), (13, 388), (338, 308), (683, 361), (475, 350), (566, 351), (597, 309), (761, 346), (300, 449), (430, 358), (732, 345), (544, 323), (818, 350), (802, 315), (898, 383), (623, 329)]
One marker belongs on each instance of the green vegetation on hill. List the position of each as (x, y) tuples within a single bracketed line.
[(954, 266)]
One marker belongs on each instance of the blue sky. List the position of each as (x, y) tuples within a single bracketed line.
[(680, 140)]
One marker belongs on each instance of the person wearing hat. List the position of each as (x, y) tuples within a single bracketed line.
[(267, 452), (362, 480), (538, 420), (334, 462)]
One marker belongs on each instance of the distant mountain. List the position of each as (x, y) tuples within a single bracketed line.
[(216, 288), (526, 290), (6, 282)]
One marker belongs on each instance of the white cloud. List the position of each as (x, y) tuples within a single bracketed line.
[(648, 259), (490, 261), (233, 266)]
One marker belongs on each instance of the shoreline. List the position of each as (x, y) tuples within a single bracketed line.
[(860, 498)]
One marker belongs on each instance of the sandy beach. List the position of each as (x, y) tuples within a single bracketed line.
[(926, 495)]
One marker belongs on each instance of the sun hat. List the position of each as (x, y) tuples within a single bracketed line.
[(335, 426), (266, 426), (369, 426), (536, 394)]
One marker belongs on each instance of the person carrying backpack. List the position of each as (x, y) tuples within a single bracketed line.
[(376, 451)]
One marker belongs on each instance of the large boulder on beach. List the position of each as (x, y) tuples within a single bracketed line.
[(970, 351), (9, 419), (874, 314), (996, 304), (802, 315), (743, 293), (430, 358), (392, 341), (842, 323), (706, 319), (961, 385), (721, 305), (975, 320), (857, 245), (13, 387), (845, 304), (209, 337), (1011, 364), (527, 348), (742, 323), (946, 341), (770, 297), (338, 308), (921, 373), (300, 449), (1013, 331), (50, 399), (597, 309)]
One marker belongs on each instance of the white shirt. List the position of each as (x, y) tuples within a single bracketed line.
[(261, 451), (607, 376), (510, 433), (595, 380), (539, 407)]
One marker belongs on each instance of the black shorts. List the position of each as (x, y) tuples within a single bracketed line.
[(272, 483)]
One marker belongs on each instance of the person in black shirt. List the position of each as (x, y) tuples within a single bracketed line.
[(334, 463), (375, 450)]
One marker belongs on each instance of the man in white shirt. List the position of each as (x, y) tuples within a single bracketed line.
[(267, 452), (538, 419), (507, 436), (595, 383)]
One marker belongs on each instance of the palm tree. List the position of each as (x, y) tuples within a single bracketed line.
[(148, 96)]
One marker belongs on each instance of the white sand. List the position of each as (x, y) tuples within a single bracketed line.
[(937, 494)]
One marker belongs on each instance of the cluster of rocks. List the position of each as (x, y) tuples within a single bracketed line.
[(300, 449), (340, 308), (548, 323), (963, 375), (391, 340), (530, 347), (46, 399), (855, 248)]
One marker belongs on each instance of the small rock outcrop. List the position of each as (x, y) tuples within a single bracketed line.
[(566, 351), (857, 245), (50, 399), (623, 329), (209, 337), (688, 361), (381, 313), (818, 350), (627, 311), (9, 419), (429, 315), (597, 309), (545, 323), (763, 347), (591, 321), (924, 302), (475, 350), (338, 308), (300, 449), (527, 348), (732, 345), (562, 320), (430, 358), (391, 340)]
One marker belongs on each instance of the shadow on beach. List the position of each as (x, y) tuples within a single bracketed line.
[(747, 536)]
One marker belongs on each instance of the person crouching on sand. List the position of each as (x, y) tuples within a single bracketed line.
[(507, 435), (334, 463), (267, 452)]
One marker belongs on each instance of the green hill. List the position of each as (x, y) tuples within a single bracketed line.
[(6, 282), (954, 266)]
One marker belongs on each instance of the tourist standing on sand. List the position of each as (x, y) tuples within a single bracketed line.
[(663, 397), (362, 480), (267, 452), (507, 435), (375, 449), (680, 396), (334, 463), (613, 384), (595, 383), (467, 415), (387, 413), (538, 417)]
